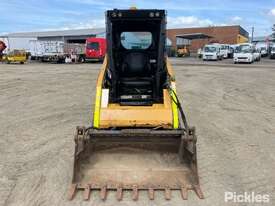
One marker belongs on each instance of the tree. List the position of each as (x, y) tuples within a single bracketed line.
[(273, 31)]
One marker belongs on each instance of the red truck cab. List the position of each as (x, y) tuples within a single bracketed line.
[(95, 49)]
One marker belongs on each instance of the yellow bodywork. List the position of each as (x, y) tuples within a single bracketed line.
[(16, 56), (241, 39), (183, 52), (163, 115)]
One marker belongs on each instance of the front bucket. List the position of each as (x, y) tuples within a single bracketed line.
[(137, 159)]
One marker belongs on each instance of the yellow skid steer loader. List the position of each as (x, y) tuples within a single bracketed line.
[(139, 139)]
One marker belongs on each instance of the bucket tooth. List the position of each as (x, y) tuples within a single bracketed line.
[(103, 193), (72, 191), (135, 193), (184, 193), (87, 191), (151, 193), (119, 193), (167, 193), (199, 192)]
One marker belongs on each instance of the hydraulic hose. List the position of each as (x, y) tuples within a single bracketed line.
[(177, 102)]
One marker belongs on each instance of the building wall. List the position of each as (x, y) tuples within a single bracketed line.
[(221, 34), (66, 38)]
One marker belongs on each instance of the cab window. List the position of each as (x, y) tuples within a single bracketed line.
[(136, 40), (93, 45)]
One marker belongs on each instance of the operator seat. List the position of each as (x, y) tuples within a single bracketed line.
[(136, 79), (136, 70)]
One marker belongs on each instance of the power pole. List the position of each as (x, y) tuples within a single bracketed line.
[(273, 32), (252, 34)]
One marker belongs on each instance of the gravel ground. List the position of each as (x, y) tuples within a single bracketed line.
[(232, 107)]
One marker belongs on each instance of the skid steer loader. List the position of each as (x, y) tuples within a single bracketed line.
[(139, 139)]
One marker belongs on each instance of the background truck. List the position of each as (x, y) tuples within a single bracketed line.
[(56, 51), (74, 51), (225, 50), (246, 53), (212, 52), (95, 49), (46, 51)]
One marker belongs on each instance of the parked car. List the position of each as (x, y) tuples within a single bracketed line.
[(212, 52), (245, 52)]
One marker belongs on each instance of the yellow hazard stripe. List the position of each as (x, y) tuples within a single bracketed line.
[(97, 107), (175, 111)]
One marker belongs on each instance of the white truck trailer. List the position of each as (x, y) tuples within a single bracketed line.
[(56, 51)]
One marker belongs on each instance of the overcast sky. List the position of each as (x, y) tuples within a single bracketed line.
[(39, 15)]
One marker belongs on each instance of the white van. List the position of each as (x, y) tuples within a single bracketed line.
[(257, 54), (263, 47), (225, 50), (212, 52), (246, 52)]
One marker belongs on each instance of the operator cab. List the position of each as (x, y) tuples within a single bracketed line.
[(136, 72)]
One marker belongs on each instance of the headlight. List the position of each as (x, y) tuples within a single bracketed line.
[(157, 14), (114, 14), (151, 14), (119, 14)]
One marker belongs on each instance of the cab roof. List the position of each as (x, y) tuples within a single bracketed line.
[(117, 14)]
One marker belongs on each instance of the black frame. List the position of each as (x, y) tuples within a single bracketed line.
[(116, 17)]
